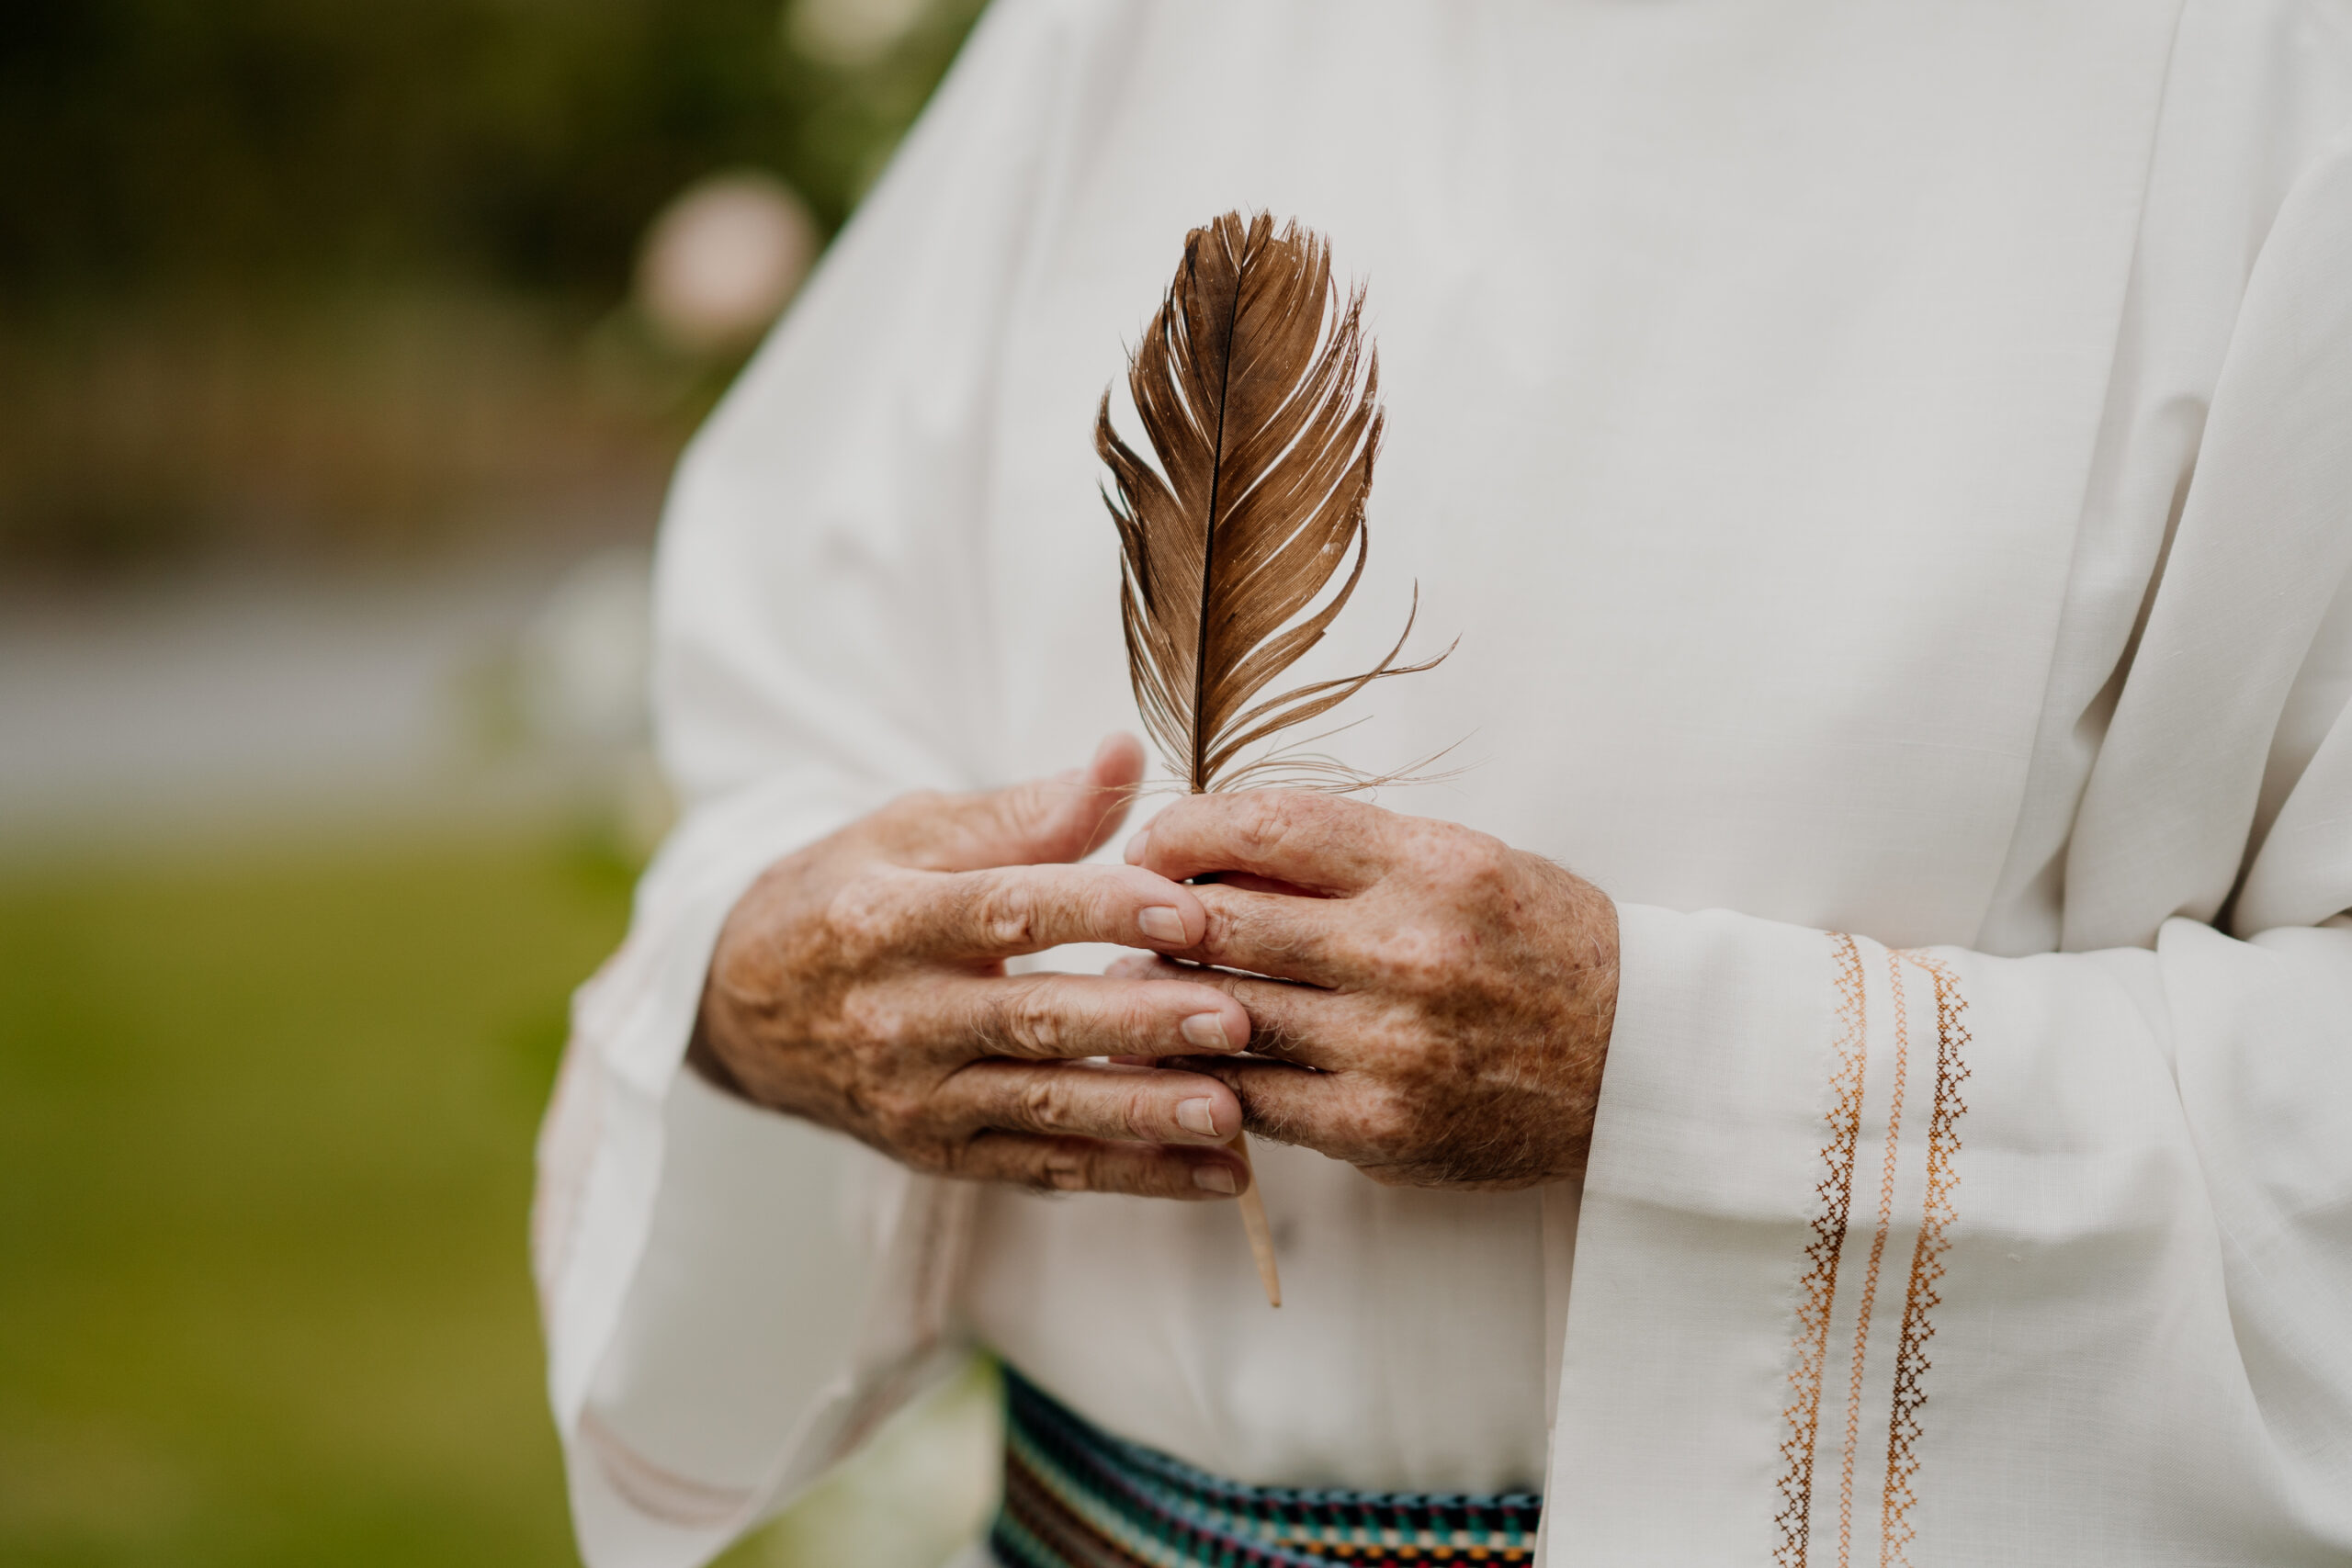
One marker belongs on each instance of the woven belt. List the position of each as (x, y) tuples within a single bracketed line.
[(1076, 1496)]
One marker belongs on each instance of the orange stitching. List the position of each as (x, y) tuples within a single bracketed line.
[(1921, 1298), (1819, 1286), (1878, 1252)]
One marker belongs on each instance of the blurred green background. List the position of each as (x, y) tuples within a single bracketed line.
[(347, 279), (343, 352)]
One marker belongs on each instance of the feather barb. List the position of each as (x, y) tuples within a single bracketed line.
[(1260, 397)]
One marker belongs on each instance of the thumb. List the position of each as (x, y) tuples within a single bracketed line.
[(1064, 818)]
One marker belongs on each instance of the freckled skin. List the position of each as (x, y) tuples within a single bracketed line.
[(1439, 1016), (1420, 1000), (860, 984)]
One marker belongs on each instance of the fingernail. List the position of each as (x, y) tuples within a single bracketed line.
[(1215, 1179), (1161, 924), (1206, 1030), (1137, 845), (1198, 1116)]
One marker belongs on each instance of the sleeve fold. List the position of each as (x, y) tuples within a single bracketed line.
[(1935, 1256), (1854, 1214), (733, 1299)]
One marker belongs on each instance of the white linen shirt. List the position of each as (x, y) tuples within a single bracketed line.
[(1890, 468)]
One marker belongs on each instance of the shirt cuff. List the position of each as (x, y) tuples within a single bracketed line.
[(1675, 1363)]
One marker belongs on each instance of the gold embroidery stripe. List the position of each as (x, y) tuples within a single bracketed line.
[(1878, 1253), (1817, 1292), (1921, 1297)]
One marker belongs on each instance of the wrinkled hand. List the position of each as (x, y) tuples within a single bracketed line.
[(860, 984), (1437, 1003)]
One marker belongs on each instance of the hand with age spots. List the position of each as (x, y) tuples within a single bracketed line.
[(860, 984), (1436, 1004)]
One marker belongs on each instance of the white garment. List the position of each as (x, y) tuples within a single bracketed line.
[(1890, 469)]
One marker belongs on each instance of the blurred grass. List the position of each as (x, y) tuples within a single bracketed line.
[(283, 279), (265, 1123), (264, 1159)]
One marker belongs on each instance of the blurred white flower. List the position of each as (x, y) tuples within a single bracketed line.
[(724, 256), (583, 685), (582, 663), (850, 33)]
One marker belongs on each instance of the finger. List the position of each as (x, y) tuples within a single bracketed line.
[(1089, 1165), (1044, 1017), (1045, 821), (1343, 1115), (1315, 842), (1025, 908), (1312, 939), (1090, 1099), (1305, 1024), (1111, 780)]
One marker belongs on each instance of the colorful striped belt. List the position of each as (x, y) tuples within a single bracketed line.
[(1076, 1496)]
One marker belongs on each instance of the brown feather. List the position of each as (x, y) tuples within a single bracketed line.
[(1261, 400), (1260, 397)]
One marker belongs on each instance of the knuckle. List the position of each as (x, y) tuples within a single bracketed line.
[(1004, 914), (1066, 1169), (861, 917), (1148, 1025), (1024, 1022), (868, 1023), (1223, 939), (1108, 905), (903, 1122), (1481, 863), (1143, 1117), (1234, 926), (1037, 1024), (1044, 1102), (1263, 820), (1216, 933)]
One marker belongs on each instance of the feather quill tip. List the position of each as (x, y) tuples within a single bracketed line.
[(1254, 1224)]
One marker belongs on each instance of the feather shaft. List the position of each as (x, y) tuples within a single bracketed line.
[(1259, 397)]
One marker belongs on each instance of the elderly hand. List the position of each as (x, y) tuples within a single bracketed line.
[(860, 984), (1438, 1003)]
